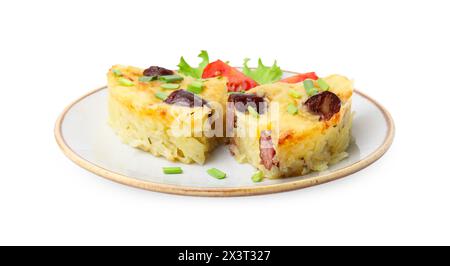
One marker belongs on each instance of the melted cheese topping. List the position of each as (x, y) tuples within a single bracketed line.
[(142, 94), (303, 124)]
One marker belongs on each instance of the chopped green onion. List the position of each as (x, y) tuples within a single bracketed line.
[(147, 78), (117, 72), (312, 92), (308, 84), (292, 109), (170, 86), (295, 94), (258, 176), (309, 87), (322, 84), (161, 95), (125, 82), (195, 87), (171, 78), (252, 111), (235, 92), (214, 172), (172, 170)]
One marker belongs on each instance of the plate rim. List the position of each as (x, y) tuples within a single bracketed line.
[(227, 191)]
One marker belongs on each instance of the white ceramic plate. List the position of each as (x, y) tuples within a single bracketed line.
[(84, 136)]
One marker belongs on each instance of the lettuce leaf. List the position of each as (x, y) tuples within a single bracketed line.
[(263, 74), (185, 69)]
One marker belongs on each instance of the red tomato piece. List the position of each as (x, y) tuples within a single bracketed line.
[(300, 77), (237, 81)]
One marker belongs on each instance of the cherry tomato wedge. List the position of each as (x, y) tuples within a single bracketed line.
[(300, 77), (237, 81)]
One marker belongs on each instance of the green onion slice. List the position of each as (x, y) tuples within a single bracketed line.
[(117, 72), (258, 176), (214, 172), (312, 92), (309, 87), (172, 170), (125, 82), (161, 95), (323, 85), (295, 94), (235, 92), (171, 78), (308, 84), (252, 111), (292, 109), (195, 87), (170, 86), (147, 78)]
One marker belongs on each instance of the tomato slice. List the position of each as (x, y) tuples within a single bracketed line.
[(300, 77), (237, 81)]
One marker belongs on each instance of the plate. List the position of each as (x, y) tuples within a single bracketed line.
[(84, 136)]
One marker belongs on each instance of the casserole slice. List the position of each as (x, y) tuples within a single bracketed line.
[(165, 113), (291, 129)]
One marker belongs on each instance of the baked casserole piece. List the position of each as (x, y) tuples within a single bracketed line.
[(165, 113), (286, 130)]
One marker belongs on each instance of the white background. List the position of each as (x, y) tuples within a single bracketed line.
[(52, 52)]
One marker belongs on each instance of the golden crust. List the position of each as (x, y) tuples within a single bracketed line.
[(142, 94), (293, 128)]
